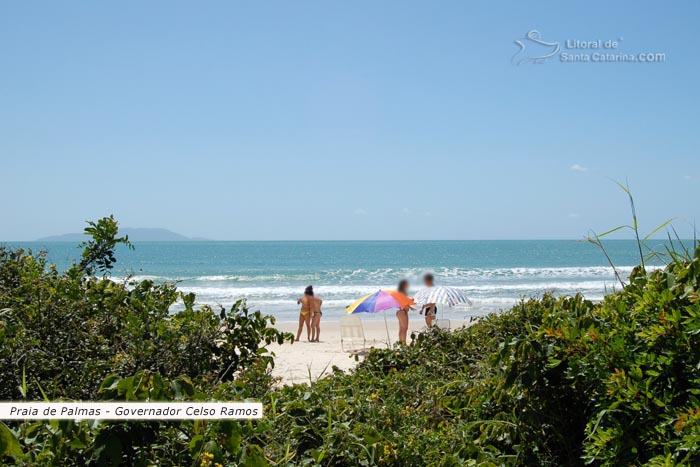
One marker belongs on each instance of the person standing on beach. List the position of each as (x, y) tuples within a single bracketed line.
[(402, 314), (316, 314), (305, 312), (430, 309)]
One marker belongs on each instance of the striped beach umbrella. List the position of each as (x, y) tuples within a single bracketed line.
[(380, 301), (442, 295)]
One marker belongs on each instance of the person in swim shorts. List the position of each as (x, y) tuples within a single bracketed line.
[(430, 309)]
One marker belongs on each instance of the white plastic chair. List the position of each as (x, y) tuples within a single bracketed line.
[(351, 331)]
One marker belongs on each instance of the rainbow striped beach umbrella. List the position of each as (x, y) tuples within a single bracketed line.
[(380, 301)]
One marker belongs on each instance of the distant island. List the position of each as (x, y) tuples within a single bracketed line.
[(135, 235)]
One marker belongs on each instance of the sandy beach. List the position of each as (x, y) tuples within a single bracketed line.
[(304, 361)]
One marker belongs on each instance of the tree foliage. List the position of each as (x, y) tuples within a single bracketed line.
[(99, 252)]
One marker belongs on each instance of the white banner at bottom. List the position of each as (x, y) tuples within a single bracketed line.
[(129, 410)]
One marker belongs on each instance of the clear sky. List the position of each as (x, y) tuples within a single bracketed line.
[(344, 120)]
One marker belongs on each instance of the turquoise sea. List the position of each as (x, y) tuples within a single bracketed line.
[(271, 275)]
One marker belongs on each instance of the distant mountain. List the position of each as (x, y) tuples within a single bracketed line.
[(135, 235)]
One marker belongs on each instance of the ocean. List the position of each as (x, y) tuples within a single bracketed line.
[(271, 275)]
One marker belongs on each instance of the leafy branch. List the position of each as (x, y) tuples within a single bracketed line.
[(99, 253)]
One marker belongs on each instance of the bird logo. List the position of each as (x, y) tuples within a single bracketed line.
[(532, 49)]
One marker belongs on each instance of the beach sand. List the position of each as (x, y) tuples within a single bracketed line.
[(304, 361)]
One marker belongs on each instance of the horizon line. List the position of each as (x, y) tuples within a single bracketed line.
[(207, 240)]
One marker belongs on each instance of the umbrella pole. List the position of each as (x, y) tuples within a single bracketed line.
[(387, 329)]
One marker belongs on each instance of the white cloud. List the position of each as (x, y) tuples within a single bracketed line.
[(574, 215), (406, 211), (360, 212), (578, 168), (428, 214), (687, 177)]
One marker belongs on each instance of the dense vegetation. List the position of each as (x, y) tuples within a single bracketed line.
[(553, 381)]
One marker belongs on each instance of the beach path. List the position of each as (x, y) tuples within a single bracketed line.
[(304, 361)]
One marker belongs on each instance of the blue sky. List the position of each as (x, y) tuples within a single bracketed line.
[(343, 120)]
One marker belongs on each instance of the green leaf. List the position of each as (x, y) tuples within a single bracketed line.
[(23, 386), (254, 457), (76, 443), (651, 234), (196, 444), (176, 387), (125, 387), (41, 390), (608, 232), (233, 432), (9, 444), (108, 449), (110, 385)]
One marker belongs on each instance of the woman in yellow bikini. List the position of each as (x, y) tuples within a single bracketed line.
[(306, 303)]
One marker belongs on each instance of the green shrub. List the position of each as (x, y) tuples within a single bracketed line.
[(75, 336), (65, 332)]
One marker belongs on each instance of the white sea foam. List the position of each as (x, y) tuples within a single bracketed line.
[(449, 275), (357, 290)]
